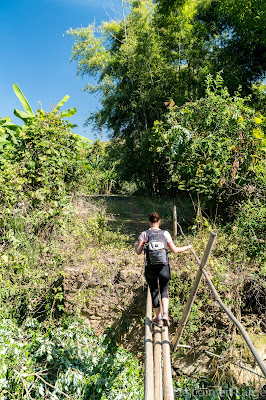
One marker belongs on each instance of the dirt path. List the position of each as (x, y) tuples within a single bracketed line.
[(124, 214)]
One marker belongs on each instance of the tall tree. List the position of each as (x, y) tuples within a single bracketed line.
[(133, 75), (133, 79), (226, 35)]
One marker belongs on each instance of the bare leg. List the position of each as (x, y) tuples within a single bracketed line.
[(157, 311), (165, 303)]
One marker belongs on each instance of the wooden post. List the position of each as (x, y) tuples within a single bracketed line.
[(149, 376), (175, 222), (193, 291), (168, 391), (158, 392)]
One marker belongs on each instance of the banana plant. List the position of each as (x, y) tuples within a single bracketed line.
[(28, 112), (9, 132)]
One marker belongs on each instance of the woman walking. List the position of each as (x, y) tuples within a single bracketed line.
[(155, 243)]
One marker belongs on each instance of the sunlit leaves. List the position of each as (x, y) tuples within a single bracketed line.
[(208, 146), (23, 100), (83, 365)]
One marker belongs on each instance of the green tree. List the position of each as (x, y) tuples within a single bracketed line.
[(133, 75), (224, 35), (158, 52)]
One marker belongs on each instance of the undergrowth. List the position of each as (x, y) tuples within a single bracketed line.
[(64, 361)]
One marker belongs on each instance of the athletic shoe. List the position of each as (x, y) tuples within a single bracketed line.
[(157, 321), (166, 319)]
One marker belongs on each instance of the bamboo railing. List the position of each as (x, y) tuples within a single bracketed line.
[(202, 271), (149, 373)]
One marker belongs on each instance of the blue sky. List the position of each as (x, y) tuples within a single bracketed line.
[(36, 51)]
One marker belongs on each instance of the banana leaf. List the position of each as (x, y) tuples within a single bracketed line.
[(69, 112), (4, 120), (61, 103), (12, 126), (12, 135), (83, 142), (83, 138), (3, 140), (23, 100), (22, 115)]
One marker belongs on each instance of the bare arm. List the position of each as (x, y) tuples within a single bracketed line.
[(139, 246), (175, 249)]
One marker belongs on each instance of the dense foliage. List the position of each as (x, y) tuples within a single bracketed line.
[(163, 50), (214, 146), (64, 362), (40, 165), (210, 36), (159, 55)]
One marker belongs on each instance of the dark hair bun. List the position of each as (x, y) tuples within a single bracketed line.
[(154, 217)]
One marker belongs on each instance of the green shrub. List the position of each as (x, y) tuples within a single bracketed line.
[(214, 147), (201, 388), (67, 359)]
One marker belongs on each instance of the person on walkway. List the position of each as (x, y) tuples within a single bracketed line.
[(149, 240)]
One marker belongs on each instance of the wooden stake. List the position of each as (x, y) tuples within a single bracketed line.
[(175, 222)]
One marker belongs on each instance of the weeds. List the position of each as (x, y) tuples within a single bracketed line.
[(66, 361)]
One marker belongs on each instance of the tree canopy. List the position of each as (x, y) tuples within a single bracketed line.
[(162, 54)]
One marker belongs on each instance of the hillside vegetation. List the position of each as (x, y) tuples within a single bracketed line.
[(181, 93)]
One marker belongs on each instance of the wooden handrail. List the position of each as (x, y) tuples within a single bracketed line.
[(240, 327), (183, 320), (193, 291)]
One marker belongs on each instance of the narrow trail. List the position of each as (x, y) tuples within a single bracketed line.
[(127, 214)]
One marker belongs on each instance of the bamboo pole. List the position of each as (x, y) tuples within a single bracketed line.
[(157, 363), (175, 222), (149, 376), (193, 291), (168, 391), (231, 316), (237, 323)]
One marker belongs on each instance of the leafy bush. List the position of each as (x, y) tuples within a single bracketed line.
[(103, 176), (67, 361), (214, 146), (41, 165)]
